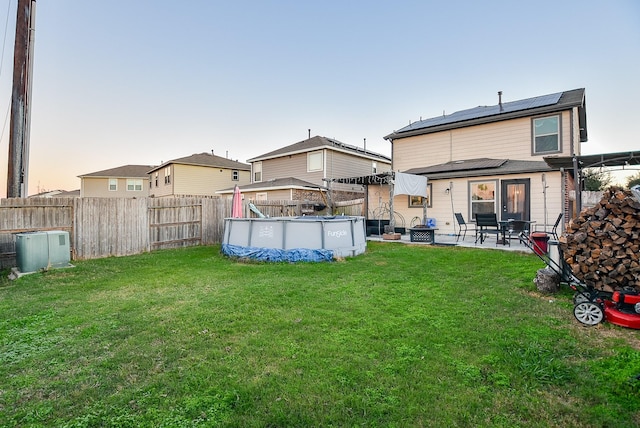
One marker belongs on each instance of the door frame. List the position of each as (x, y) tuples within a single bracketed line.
[(504, 185)]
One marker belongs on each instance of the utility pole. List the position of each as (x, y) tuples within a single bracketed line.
[(18, 170)]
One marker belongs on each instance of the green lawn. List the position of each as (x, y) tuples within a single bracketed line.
[(401, 336)]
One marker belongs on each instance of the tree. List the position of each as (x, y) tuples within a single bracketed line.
[(596, 179), (633, 180)]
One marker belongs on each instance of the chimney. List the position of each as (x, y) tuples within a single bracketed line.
[(500, 99), (211, 152), (309, 134)]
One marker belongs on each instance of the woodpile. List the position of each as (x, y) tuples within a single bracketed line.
[(602, 245)]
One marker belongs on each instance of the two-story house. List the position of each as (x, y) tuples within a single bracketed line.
[(299, 170), (492, 159), (127, 181), (201, 174)]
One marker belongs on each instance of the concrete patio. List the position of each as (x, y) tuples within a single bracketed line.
[(469, 241)]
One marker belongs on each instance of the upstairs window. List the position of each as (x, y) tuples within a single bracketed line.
[(235, 175), (546, 135), (134, 185), (257, 172), (314, 161), (374, 167), (113, 184), (167, 175)]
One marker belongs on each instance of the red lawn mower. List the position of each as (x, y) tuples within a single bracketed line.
[(591, 306)]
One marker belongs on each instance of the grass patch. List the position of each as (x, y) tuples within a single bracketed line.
[(399, 336)]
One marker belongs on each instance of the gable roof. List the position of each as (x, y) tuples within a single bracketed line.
[(276, 184), (317, 143), (125, 171), (551, 103), (480, 167), (207, 160)]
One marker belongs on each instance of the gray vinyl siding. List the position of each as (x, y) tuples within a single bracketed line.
[(336, 165)]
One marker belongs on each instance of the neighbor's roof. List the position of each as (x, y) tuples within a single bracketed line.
[(480, 167), (276, 184), (126, 171), (208, 160), (317, 143), (545, 104)]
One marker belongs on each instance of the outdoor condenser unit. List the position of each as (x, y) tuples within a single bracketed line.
[(42, 250)]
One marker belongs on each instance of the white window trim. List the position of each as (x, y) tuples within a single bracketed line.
[(262, 196), (255, 169), (309, 159), (135, 183), (113, 181), (495, 195)]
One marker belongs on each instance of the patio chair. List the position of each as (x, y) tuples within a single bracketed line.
[(487, 224), (515, 227), (463, 227)]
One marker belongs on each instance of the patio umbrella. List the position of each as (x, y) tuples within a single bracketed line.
[(236, 209)]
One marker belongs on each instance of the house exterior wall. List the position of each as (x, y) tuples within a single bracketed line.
[(195, 180), (92, 187), (443, 205), (509, 139)]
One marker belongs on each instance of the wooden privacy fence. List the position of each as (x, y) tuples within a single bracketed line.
[(103, 227), (285, 208)]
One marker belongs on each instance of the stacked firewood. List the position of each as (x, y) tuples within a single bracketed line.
[(602, 245)]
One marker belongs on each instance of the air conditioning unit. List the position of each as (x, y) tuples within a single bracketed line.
[(42, 250)]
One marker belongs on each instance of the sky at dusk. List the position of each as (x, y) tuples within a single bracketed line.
[(120, 82)]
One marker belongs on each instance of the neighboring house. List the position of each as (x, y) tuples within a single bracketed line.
[(492, 159), (128, 181), (315, 160), (201, 174), (57, 194), (278, 189)]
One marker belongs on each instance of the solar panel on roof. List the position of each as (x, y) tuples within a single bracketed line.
[(484, 111)]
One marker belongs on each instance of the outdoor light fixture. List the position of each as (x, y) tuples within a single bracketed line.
[(446, 190)]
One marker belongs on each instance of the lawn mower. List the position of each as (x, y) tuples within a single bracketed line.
[(591, 306)]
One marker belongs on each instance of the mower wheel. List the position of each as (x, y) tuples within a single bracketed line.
[(579, 297), (588, 313)]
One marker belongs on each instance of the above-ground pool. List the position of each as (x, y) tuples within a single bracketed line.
[(307, 238)]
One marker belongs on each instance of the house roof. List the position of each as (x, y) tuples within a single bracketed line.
[(126, 171), (207, 160), (480, 167), (317, 143), (276, 184), (545, 104)]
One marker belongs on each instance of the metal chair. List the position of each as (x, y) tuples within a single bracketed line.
[(515, 227), (487, 224), (463, 226)]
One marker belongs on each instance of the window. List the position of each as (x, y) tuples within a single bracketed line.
[(235, 175), (134, 185), (156, 178), (546, 134), (374, 167), (113, 184), (261, 196), (483, 197), (257, 172), (314, 161), (167, 175)]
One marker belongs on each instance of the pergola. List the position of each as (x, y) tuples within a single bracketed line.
[(410, 185), (578, 163)]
